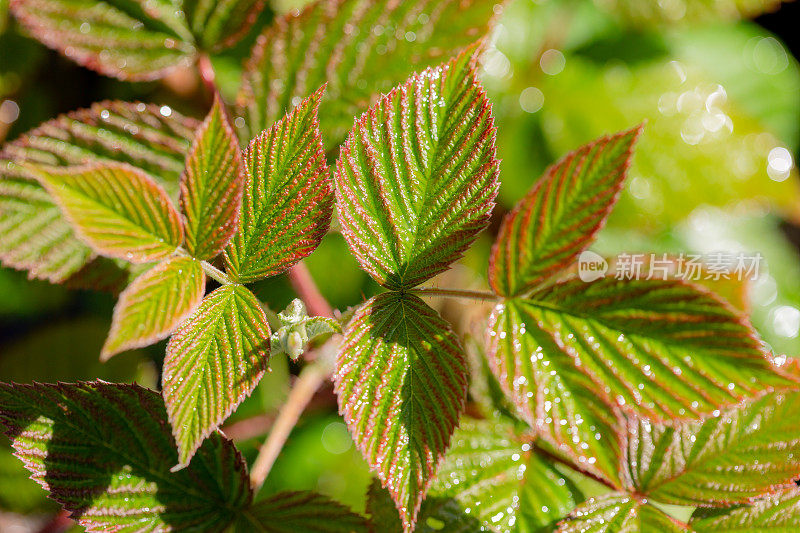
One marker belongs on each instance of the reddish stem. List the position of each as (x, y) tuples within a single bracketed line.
[(207, 74), (60, 522), (304, 286)]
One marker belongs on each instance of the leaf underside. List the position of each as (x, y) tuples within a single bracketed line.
[(737, 455), (104, 452), (562, 404), (661, 349), (360, 48), (561, 214), (300, 512), (154, 304), (211, 186), (128, 39), (116, 209), (214, 361), (417, 177), (619, 513), (288, 197), (776, 513), (34, 236), (401, 380)]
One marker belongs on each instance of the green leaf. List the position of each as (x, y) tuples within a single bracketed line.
[(300, 512), (662, 349), (619, 513), (154, 304), (401, 379), (288, 197), (417, 177), (560, 215), (776, 513), (104, 452), (220, 24), (360, 48), (739, 454), (214, 360), (127, 39), (563, 405), (116, 209), (34, 236), (212, 186)]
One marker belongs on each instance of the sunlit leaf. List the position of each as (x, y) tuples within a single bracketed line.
[(220, 24), (34, 236), (619, 513), (214, 360), (288, 197), (563, 404), (664, 349), (300, 512), (116, 209), (154, 304), (359, 47), (738, 454), (104, 452), (401, 380), (698, 144), (776, 513), (211, 186), (128, 39), (560, 215), (417, 177)]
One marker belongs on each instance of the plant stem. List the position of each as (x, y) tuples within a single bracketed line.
[(211, 271), (207, 74), (485, 296), (310, 379), (304, 285)]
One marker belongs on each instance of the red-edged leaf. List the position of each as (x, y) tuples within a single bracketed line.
[(154, 304), (220, 24), (360, 48), (33, 234), (774, 513), (561, 214), (417, 177), (619, 513), (104, 452), (662, 349), (116, 209), (288, 197), (563, 405), (211, 186), (300, 512), (737, 455), (401, 380), (214, 361), (128, 39)]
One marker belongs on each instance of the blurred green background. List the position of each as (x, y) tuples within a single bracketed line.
[(719, 91)]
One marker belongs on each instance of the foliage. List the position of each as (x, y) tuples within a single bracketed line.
[(547, 402)]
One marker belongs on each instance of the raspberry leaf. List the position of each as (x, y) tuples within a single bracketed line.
[(104, 452), (211, 186), (116, 209), (288, 197), (154, 304), (300, 512), (219, 25), (214, 361), (561, 214), (417, 176), (775, 512), (401, 380), (619, 512)]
